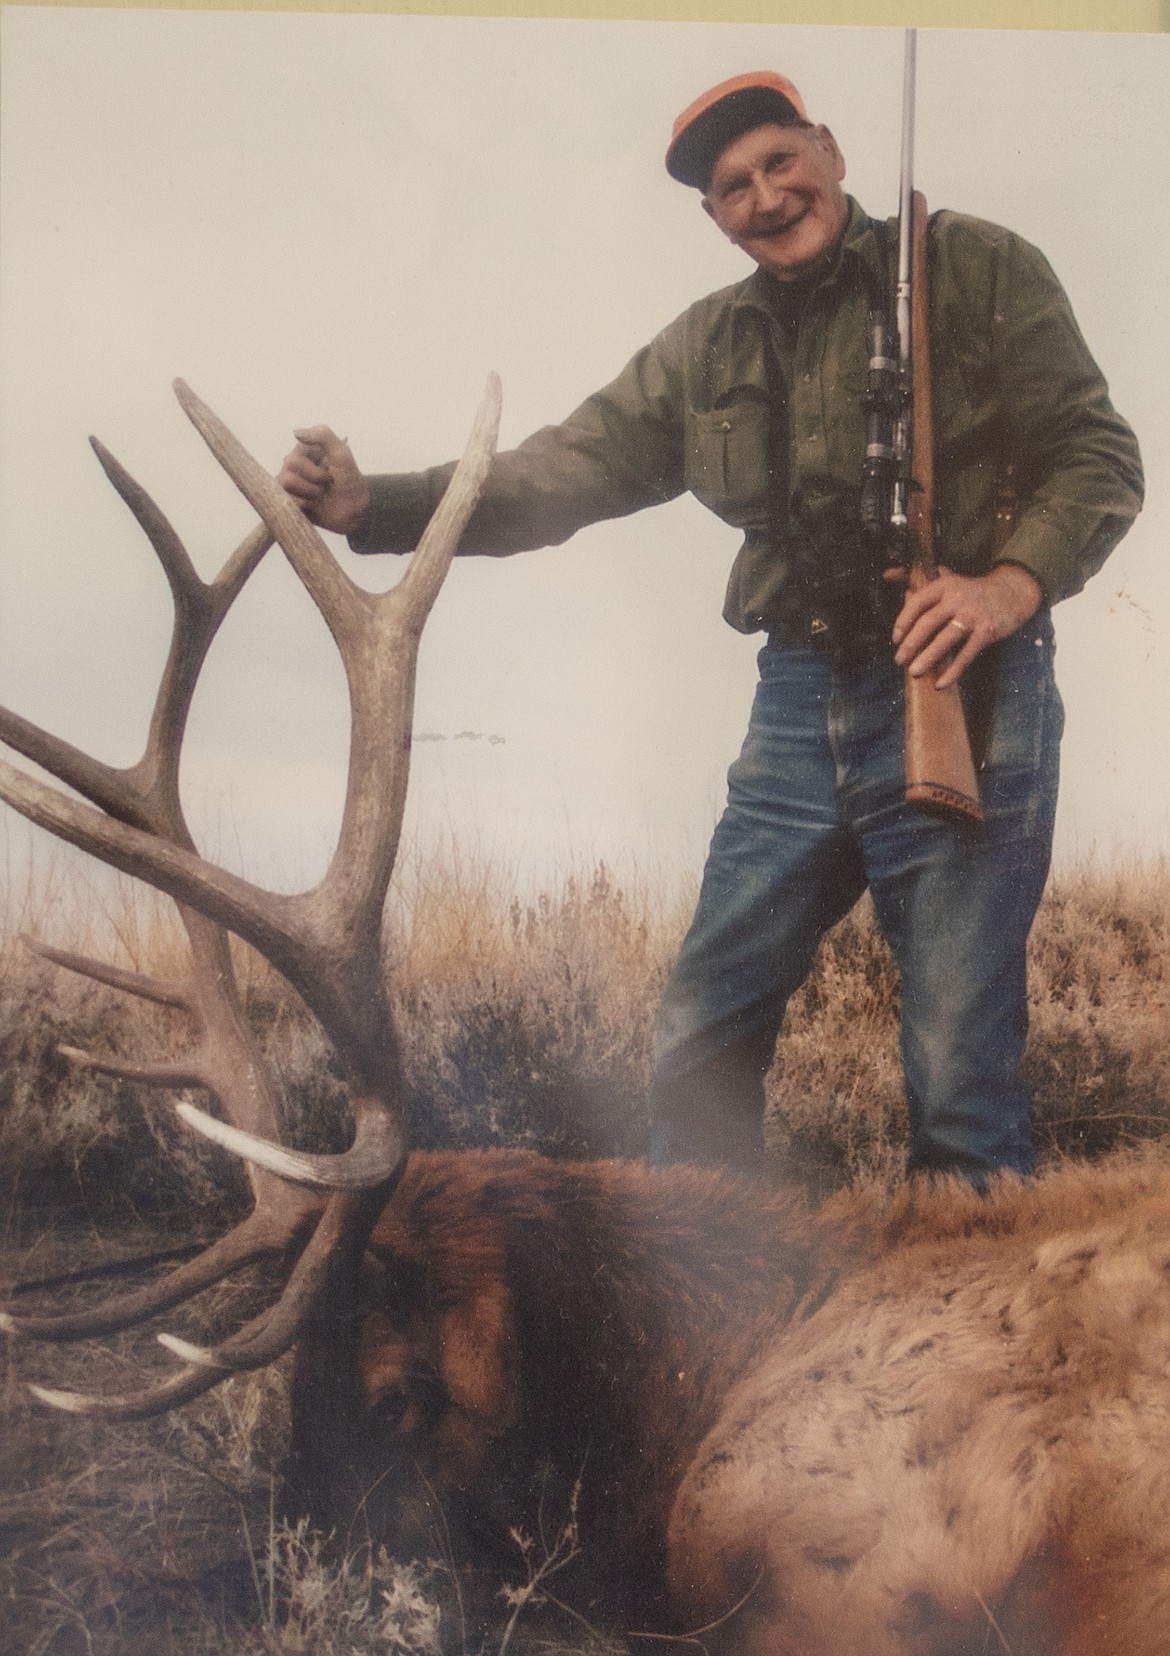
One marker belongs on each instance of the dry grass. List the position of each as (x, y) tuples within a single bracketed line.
[(527, 1019), (1099, 1060), (136, 1537)]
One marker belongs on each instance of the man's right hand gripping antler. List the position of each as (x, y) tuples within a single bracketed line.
[(322, 476)]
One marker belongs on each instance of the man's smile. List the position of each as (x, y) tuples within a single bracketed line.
[(780, 228)]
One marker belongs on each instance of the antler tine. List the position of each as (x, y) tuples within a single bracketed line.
[(331, 589), (339, 599), (362, 624), (198, 603), (159, 990), (260, 1342), (427, 569), (380, 665), (378, 1147), (347, 1216), (172, 554), (254, 1238), (185, 583), (223, 1061), (139, 794), (200, 608), (181, 873), (104, 784), (183, 1074), (185, 1387)]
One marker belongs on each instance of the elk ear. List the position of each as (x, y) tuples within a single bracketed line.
[(476, 1354)]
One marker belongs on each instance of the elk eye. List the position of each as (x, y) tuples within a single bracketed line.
[(390, 1411)]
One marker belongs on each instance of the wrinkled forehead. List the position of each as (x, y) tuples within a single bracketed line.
[(753, 147)]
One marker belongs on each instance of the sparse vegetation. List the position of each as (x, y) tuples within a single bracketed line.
[(527, 1019)]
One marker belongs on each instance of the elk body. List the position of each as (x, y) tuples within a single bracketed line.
[(934, 1427)]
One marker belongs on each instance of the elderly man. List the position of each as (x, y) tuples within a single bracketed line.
[(752, 400)]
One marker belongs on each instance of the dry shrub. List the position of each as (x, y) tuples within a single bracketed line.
[(836, 1112), (1099, 1060), (67, 1133), (529, 1021), (363, 1605), (134, 1537)]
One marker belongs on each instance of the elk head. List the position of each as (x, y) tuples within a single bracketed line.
[(312, 1212)]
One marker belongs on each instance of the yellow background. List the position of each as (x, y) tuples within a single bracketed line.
[(1130, 15)]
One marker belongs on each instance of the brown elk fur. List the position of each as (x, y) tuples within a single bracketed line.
[(936, 1425)]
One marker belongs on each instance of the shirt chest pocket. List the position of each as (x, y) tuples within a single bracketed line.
[(965, 402), (728, 460)]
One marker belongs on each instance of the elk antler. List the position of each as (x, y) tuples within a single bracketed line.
[(326, 941)]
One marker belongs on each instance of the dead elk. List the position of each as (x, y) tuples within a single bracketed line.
[(932, 1427)]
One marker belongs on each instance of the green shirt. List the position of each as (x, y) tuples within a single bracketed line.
[(754, 405)]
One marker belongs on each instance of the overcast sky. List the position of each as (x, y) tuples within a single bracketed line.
[(354, 218)]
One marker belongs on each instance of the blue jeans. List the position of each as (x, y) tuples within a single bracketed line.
[(814, 816)]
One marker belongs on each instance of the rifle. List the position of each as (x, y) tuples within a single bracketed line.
[(898, 492)]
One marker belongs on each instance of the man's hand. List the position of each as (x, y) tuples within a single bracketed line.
[(952, 618), (321, 475)]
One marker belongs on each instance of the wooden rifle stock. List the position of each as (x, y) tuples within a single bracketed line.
[(940, 772)]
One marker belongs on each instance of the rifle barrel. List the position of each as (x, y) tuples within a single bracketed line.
[(905, 198)]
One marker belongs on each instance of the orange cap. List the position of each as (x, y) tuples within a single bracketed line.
[(734, 106)]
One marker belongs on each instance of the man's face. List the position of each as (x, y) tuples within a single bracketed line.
[(776, 192)]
